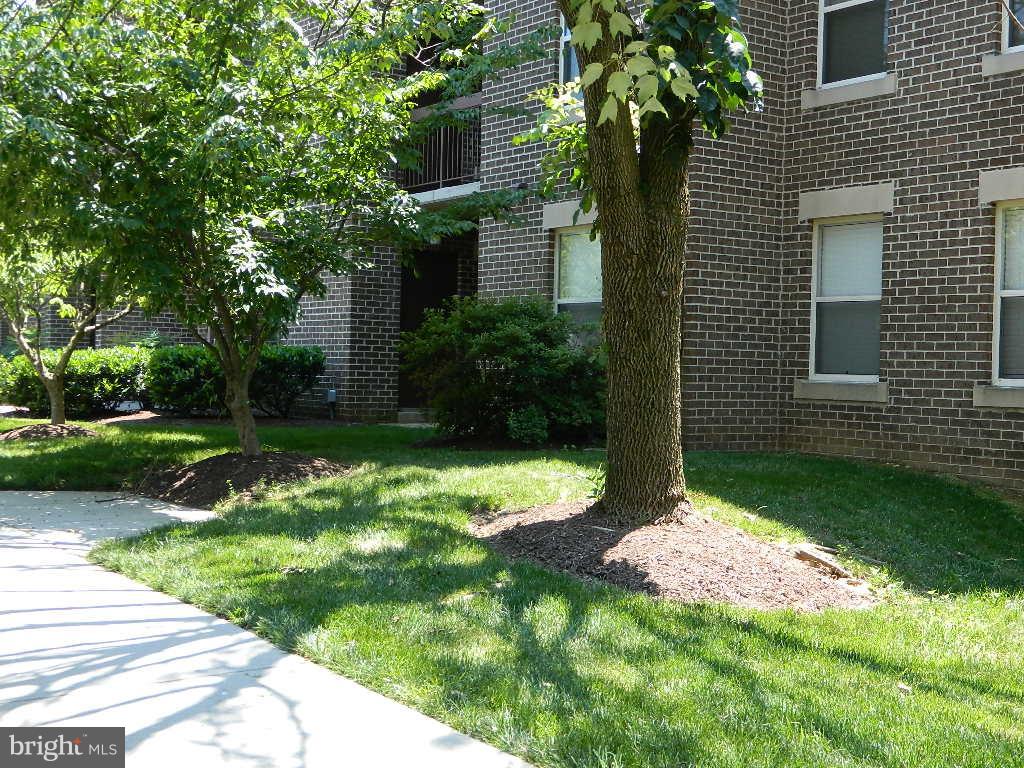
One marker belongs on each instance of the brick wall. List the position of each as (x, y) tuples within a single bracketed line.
[(356, 324), (945, 123)]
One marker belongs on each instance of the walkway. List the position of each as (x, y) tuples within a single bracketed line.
[(83, 646)]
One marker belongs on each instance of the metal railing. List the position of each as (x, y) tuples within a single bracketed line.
[(450, 157)]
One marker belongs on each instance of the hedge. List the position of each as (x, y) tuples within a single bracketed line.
[(187, 379), (97, 381)]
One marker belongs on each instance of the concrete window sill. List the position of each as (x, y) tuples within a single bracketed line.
[(840, 94), (990, 396), (842, 391), (1002, 63)]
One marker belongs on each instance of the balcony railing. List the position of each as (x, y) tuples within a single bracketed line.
[(450, 155)]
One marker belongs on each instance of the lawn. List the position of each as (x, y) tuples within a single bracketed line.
[(375, 576)]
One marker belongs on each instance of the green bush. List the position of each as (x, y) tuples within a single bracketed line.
[(96, 381), (283, 375), (507, 370), (187, 379)]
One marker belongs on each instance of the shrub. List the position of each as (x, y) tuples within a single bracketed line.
[(187, 379), (507, 370), (283, 375), (97, 381)]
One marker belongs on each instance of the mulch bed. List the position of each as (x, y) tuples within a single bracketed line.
[(695, 560), (207, 482), (46, 432)]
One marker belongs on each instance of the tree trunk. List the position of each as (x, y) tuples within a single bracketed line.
[(642, 274), (237, 401), (55, 391)]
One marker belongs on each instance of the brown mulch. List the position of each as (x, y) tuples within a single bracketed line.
[(207, 482), (215, 421), (46, 432), (696, 560)]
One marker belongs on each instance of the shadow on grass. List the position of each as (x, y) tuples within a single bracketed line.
[(376, 576), (931, 533)]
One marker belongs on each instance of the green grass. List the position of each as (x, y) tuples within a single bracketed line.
[(375, 576)]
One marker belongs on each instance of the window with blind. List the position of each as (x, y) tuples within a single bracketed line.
[(1009, 358), (847, 293), (1014, 32), (853, 39), (578, 275)]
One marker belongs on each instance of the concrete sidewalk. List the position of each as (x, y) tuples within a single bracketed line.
[(82, 646)]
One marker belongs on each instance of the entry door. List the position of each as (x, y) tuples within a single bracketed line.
[(434, 280)]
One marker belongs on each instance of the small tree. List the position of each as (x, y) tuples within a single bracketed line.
[(644, 87), (64, 293), (58, 283), (254, 145)]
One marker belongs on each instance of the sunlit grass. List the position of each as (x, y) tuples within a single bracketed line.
[(375, 575)]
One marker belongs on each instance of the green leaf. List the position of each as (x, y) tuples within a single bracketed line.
[(620, 24), (587, 34), (647, 88), (682, 86), (618, 84), (591, 73), (640, 65), (609, 111), (652, 105), (637, 46), (666, 53)]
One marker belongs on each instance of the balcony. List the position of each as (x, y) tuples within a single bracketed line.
[(450, 155)]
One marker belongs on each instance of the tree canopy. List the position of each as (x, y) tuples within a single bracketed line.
[(241, 150)]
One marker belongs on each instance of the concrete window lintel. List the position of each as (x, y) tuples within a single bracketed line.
[(991, 396), (1002, 63), (563, 214), (842, 391), (847, 201), (840, 94), (1000, 184)]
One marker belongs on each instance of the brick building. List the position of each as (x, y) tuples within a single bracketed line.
[(855, 274), (855, 256)]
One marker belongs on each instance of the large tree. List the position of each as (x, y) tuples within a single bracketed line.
[(255, 144), (649, 82)]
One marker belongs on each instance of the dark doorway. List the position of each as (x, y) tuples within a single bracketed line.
[(431, 278)]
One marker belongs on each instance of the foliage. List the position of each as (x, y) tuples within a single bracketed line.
[(684, 61), (187, 379), (498, 370), (283, 374), (246, 149), (96, 381), (528, 426)]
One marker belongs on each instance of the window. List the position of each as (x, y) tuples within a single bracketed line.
[(569, 65), (854, 35), (1014, 36), (1009, 314), (846, 300), (578, 275)]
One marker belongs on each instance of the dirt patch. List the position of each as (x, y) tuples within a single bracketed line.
[(696, 560), (212, 480), (46, 432)]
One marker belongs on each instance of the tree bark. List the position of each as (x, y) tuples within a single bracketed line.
[(642, 275), (55, 391), (237, 401)]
